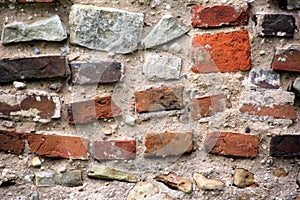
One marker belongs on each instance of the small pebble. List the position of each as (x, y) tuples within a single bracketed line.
[(19, 85), (8, 124), (11, 6), (36, 50), (247, 130), (55, 86), (36, 162)]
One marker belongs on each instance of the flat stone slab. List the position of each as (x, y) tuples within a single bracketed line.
[(275, 25), (33, 68), (165, 30), (52, 178), (161, 67), (50, 29), (105, 29), (112, 174), (94, 73), (176, 182), (285, 146)]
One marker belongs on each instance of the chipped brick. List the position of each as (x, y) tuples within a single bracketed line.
[(114, 149), (92, 110), (232, 144), (209, 105), (33, 68), (285, 146), (221, 52), (58, 146), (287, 59), (159, 99), (12, 142), (30, 106), (276, 111), (278, 25), (217, 16), (93, 73), (167, 144)]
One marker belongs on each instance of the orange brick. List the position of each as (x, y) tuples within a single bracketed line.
[(58, 146), (221, 52), (208, 106), (232, 144), (277, 111)]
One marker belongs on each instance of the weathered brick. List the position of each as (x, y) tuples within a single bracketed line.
[(221, 52), (159, 99), (114, 149), (232, 144), (285, 146), (167, 144), (287, 59), (209, 105), (33, 68), (276, 111), (38, 107), (92, 110), (279, 25), (39, 1), (93, 73), (58, 146), (217, 16), (12, 142)]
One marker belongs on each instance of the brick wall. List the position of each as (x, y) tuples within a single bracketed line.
[(149, 99)]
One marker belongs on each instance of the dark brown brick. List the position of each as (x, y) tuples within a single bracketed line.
[(114, 149), (217, 16), (208, 106), (12, 142), (232, 144), (285, 146), (58, 146), (279, 25), (93, 73), (287, 59), (33, 68), (159, 99), (92, 110), (167, 144), (221, 52), (277, 111)]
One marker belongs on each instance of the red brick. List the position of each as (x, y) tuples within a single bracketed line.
[(167, 144), (287, 59), (58, 146), (217, 16), (39, 1), (221, 52), (208, 106), (114, 149), (92, 110), (33, 68), (232, 144), (277, 111), (159, 99), (12, 142)]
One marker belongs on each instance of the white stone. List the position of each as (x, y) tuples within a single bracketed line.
[(160, 67), (19, 85), (207, 184), (106, 29), (146, 191), (50, 29), (166, 30)]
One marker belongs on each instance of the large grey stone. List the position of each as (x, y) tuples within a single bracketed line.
[(161, 67), (165, 30), (50, 29), (106, 29)]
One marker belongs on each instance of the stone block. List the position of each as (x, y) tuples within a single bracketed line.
[(285, 146)]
